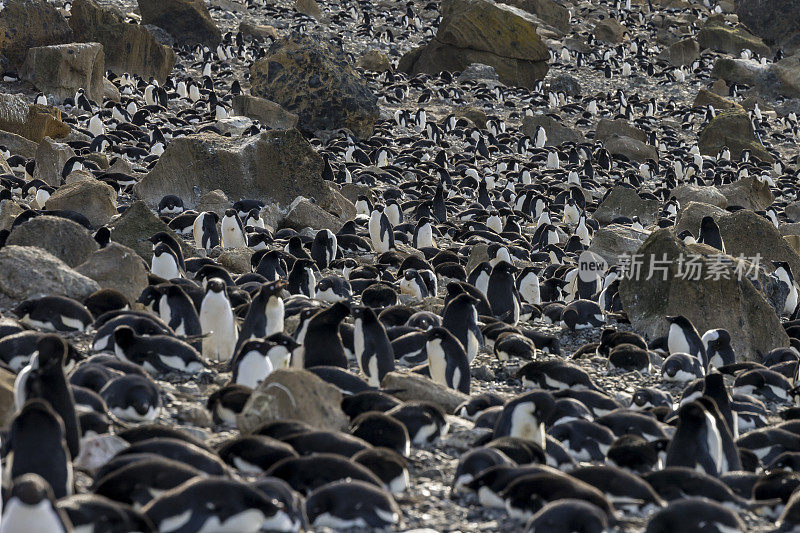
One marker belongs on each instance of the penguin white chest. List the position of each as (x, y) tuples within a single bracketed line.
[(525, 426), (275, 313), (217, 321), (676, 340), (437, 362), (253, 369), (18, 516), (164, 266)]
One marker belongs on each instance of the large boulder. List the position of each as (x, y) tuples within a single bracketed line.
[(716, 35), (626, 202), (128, 47), (749, 234), (314, 79), (187, 21), (733, 129), (784, 77), (410, 387), (610, 31), (695, 193), (18, 145), (731, 302), (116, 267), (94, 199), (136, 225), (28, 23), (65, 239), (266, 112), (692, 213), (62, 69), (548, 11), (252, 167), (479, 31), (303, 213), (32, 121), (556, 132), (682, 53), (614, 241), (775, 21), (746, 71), (707, 98), (51, 156), (294, 394), (750, 193), (606, 128), (631, 148), (29, 272)]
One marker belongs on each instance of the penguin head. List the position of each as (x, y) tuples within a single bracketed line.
[(215, 285), (680, 321), (124, 336), (31, 490), (52, 351), (438, 333), (274, 288)]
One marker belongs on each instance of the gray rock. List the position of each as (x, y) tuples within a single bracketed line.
[(236, 260), (615, 240), (65, 239), (776, 21), (745, 71), (793, 211), (750, 193), (633, 149), (266, 112), (136, 225), (731, 128), (478, 72), (305, 214), (556, 132), (564, 83), (692, 213), (51, 157), (28, 23), (716, 35), (695, 193), (31, 121), (682, 53), (187, 21), (62, 69), (116, 267), (606, 128), (28, 272), (609, 30), (94, 199), (294, 394), (18, 145), (626, 202), (415, 387)]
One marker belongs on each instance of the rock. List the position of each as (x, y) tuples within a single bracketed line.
[(792, 211), (606, 128), (682, 53), (478, 72), (215, 201), (128, 47), (550, 12), (564, 83), (707, 98), (258, 31), (7, 409), (716, 35), (187, 21), (631, 148), (28, 23), (110, 91), (745, 71), (9, 211), (79, 175), (479, 31), (314, 79), (352, 191), (692, 213), (776, 21), (784, 78), (733, 304), (750, 193), (626, 202), (28, 272), (309, 8), (18, 145), (266, 112), (65, 239), (236, 260), (305, 214), (32, 121), (474, 114), (62, 69), (96, 200), (415, 387), (612, 241), (116, 267), (733, 129), (720, 88), (254, 167), (234, 126), (695, 193), (51, 157), (609, 31), (136, 225), (556, 132), (294, 394), (374, 60)]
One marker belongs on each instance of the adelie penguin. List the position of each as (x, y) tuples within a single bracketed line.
[(710, 234), (322, 342), (717, 344), (54, 313), (371, 346), (323, 248), (684, 338), (447, 361), (502, 293), (132, 398), (460, 317), (31, 506), (232, 230), (205, 231), (265, 315), (784, 273), (380, 231), (164, 263), (218, 322)]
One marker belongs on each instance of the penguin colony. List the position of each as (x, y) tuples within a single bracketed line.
[(569, 420)]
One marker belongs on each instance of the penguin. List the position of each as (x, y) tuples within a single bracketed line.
[(265, 315), (177, 310), (784, 273), (684, 338), (164, 263), (37, 441), (697, 442), (710, 234), (528, 286), (686, 514), (424, 421), (132, 398), (554, 374), (91, 512), (381, 232), (333, 289), (54, 313), (156, 353), (524, 417), (423, 234), (582, 314), (227, 402), (232, 230), (502, 293), (568, 515), (218, 322), (251, 365), (302, 279), (349, 504), (413, 284), (31, 506), (479, 277), (382, 431), (447, 360), (215, 504), (717, 344), (204, 230), (323, 248), (387, 464), (460, 317), (681, 367), (322, 342), (371, 346), (44, 378), (170, 204)]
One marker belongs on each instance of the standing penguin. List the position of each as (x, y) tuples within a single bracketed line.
[(322, 342), (460, 317), (205, 231), (502, 293), (684, 338), (784, 273), (44, 378), (323, 248), (177, 310), (37, 441), (250, 366), (710, 235), (232, 230), (381, 232), (371, 345), (32, 507), (265, 314), (423, 234), (164, 263), (447, 361), (528, 286), (217, 322), (697, 443), (302, 279), (717, 343)]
